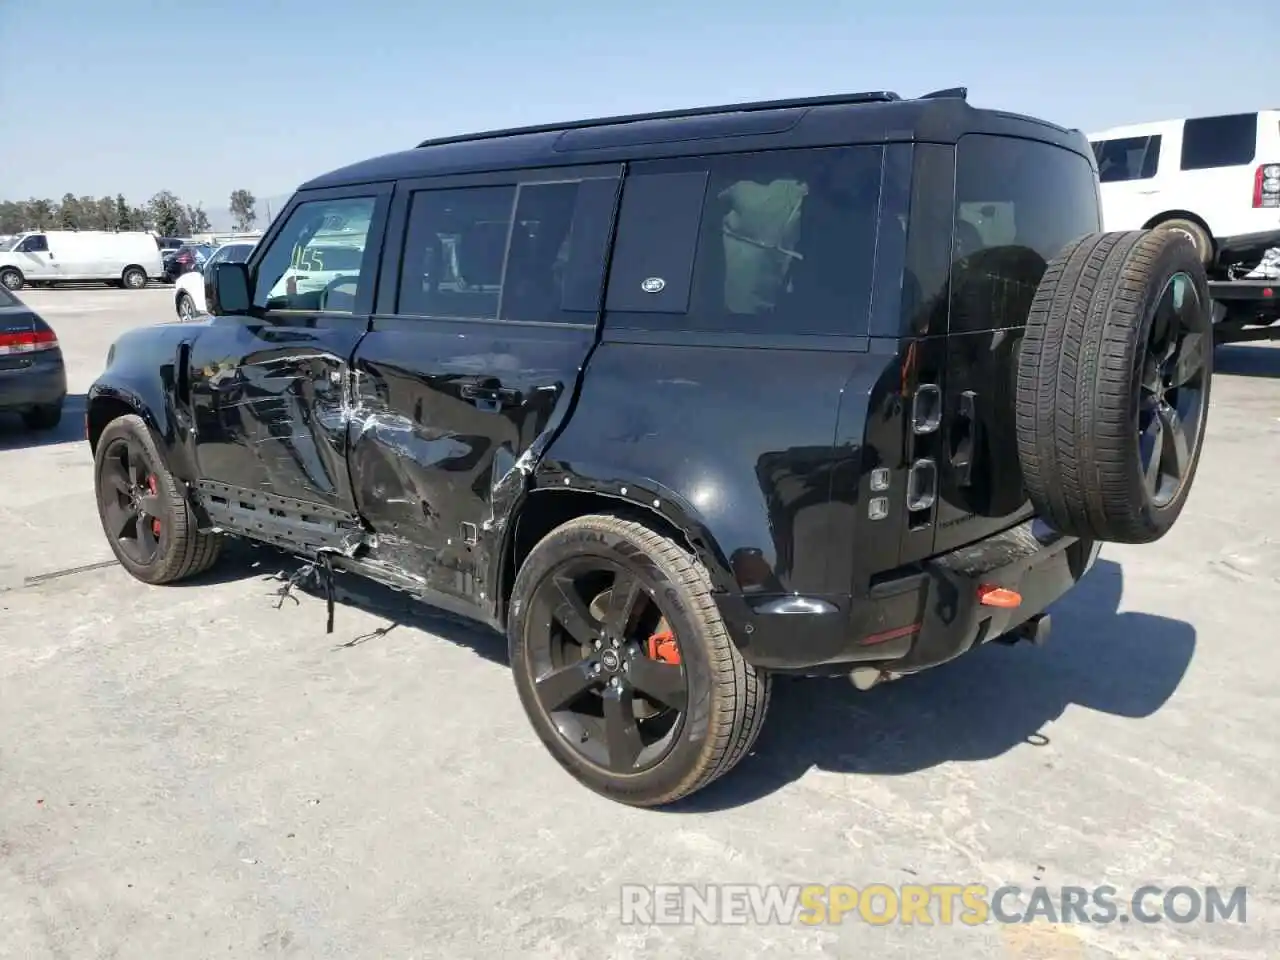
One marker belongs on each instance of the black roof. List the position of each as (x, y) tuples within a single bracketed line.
[(874, 117)]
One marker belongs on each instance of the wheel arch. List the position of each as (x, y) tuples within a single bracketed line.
[(1195, 218), (546, 507)]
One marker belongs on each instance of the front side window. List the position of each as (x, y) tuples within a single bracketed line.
[(317, 261), (780, 242), (1018, 204), (1127, 158), (1226, 141), (37, 243)]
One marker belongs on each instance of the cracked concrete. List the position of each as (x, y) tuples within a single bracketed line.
[(190, 772)]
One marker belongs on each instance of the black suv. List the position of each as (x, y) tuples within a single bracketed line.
[(844, 385)]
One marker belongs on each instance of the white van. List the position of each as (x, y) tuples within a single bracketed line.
[(54, 256), (1217, 179)]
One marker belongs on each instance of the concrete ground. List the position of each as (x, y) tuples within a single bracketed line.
[(191, 772)]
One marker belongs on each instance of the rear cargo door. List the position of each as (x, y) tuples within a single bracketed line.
[(1018, 203)]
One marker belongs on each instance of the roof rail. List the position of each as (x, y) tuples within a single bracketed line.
[(951, 93), (876, 96)]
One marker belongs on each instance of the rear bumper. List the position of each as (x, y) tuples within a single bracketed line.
[(919, 618), (1246, 247), (42, 384)]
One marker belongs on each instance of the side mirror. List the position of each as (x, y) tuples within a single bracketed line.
[(226, 289)]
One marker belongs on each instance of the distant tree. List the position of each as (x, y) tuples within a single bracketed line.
[(141, 218), (69, 212), (168, 214), (12, 216), (39, 214), (124, 218), (242, 207), (197, 219), (106, 213)]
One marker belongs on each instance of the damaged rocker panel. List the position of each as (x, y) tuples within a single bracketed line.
[(296, 525)]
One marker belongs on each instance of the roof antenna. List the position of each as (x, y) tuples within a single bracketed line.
[(951, 93)]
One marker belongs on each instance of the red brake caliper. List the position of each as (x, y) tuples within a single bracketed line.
[(662, 646), (151, 488)]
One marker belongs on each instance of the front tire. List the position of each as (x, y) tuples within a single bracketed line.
[(144, 512), (11, 279), (624, 666), (186, 308)]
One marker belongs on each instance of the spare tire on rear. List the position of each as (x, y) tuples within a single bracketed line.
[(1113, 385)]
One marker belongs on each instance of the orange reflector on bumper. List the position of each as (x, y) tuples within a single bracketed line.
[(990, 596)]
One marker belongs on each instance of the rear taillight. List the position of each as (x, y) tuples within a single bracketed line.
[(1266, 185), (28, 341)]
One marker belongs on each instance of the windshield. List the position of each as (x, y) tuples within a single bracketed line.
[(7, 245)]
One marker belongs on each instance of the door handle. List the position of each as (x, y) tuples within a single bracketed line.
[(490, 393)]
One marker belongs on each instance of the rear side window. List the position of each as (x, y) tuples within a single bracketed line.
[(1127, 158), (781, 242), (528, 253), (1018, 204), (1226, 141)]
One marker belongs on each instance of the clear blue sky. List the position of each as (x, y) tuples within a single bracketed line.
[(103, 96)]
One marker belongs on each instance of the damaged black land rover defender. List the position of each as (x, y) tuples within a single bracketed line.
[(850, 385)]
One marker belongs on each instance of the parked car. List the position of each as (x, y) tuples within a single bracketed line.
[(1214, 178), (188, 297), (33, 376), (57, 256), (190, 256), (169, 245), (845, 385)]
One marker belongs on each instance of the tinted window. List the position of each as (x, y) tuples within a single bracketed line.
[(302, 271), (1018, 204), (780, 242), (453, 252), (1129, 158), (1226, 141), (551, 237), (556, 256), (237, 253), (34, 244)]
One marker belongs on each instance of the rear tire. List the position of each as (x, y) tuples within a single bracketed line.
[(1197, 234), (11, 278), (43, 418), (133, 278), (164, 543), (186, 308), (1113, 385), (724, 698)]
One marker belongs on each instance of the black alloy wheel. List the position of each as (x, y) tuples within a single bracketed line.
[(607, 668), (1171, 393), (132, 509)]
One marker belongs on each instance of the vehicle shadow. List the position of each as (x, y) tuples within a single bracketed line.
[(15, 436), (1247, 360), (274, 568), (974, 708)]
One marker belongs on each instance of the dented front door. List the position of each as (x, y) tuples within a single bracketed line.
[(486, 318), (269, 392)]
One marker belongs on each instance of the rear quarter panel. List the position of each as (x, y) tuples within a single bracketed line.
[(737, 446)]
